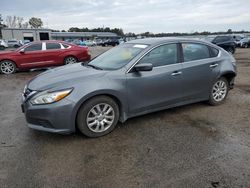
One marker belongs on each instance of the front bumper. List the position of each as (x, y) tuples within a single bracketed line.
[(55, 118)]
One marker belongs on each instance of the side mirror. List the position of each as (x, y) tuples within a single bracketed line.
[(143, 67), (22, 51)]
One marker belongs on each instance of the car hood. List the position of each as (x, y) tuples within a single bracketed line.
[(63, 77)]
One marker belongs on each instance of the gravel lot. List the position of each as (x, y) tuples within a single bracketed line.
[(192, 146)]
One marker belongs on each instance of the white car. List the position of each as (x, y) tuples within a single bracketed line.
[(90, 43), (3, 44), (244, 42)]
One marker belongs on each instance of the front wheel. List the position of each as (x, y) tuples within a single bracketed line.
[(219, 92), (98, 116), (7, 67)]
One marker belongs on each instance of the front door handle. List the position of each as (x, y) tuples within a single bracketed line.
[(176, 73), (213, 65)]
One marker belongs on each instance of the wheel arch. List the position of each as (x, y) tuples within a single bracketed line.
[(120, 103), (70, 55), (7, 59), (230, 75)]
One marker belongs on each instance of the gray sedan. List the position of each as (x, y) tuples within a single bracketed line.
[(135, 78)]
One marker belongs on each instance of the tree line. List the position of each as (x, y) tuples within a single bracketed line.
[(19, 22)]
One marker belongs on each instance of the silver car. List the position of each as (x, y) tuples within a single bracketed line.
[(3, 44), (134, 78)]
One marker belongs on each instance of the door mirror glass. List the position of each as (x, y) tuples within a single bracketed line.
[(143, 67)]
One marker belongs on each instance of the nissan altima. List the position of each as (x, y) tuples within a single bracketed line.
[(134, 78)]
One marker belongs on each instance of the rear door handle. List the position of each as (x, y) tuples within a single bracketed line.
[(214, 65), (176, 73)]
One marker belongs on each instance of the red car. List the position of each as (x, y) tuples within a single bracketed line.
[(42, 54)]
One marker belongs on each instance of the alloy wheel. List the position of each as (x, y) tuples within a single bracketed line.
[(231, 50), (70, 60), (7, 67), (219, 90), (100, 117)]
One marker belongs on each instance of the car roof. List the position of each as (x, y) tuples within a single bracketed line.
[(49, 41), (154, 41)]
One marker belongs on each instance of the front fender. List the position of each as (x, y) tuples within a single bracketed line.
[(115, 88)]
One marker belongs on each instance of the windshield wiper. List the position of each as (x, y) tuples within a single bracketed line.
[(95, 67)]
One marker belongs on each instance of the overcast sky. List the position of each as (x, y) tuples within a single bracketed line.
[(135, 15)]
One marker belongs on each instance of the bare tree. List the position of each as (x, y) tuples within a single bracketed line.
[(25, 25), (16, 22), (19, 21), (11, 21)]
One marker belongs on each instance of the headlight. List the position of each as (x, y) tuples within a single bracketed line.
[(47, 97)]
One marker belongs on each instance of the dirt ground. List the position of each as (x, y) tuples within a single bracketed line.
[(191, 146)]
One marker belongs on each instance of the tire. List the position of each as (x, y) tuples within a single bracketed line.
[(245, 45), (16, 46), (7, 67), (2, 48), (95, 125), (219, 92), (231, 50), (70, 60)]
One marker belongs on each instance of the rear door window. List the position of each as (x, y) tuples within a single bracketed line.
[(53, 46), (34, 47), (192, 51), (214, 52)]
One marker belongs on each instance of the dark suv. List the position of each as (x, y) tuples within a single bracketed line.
[(111, 42), (225, 42)]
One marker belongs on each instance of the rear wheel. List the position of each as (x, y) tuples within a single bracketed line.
[(70, 60), (219, 92), (7, 67), (231, 50), (98, 116), (2, 47)]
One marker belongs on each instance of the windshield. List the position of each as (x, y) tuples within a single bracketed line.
[(117, 57)]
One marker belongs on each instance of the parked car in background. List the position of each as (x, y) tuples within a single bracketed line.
[(244, 42), (78, 42), (98, 42), (110, 42), (121, 41), (42, 54), (3, 44), (225, 42), (14, 43), (132, 79), (90, 43), (25, 42), (208, 38)]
